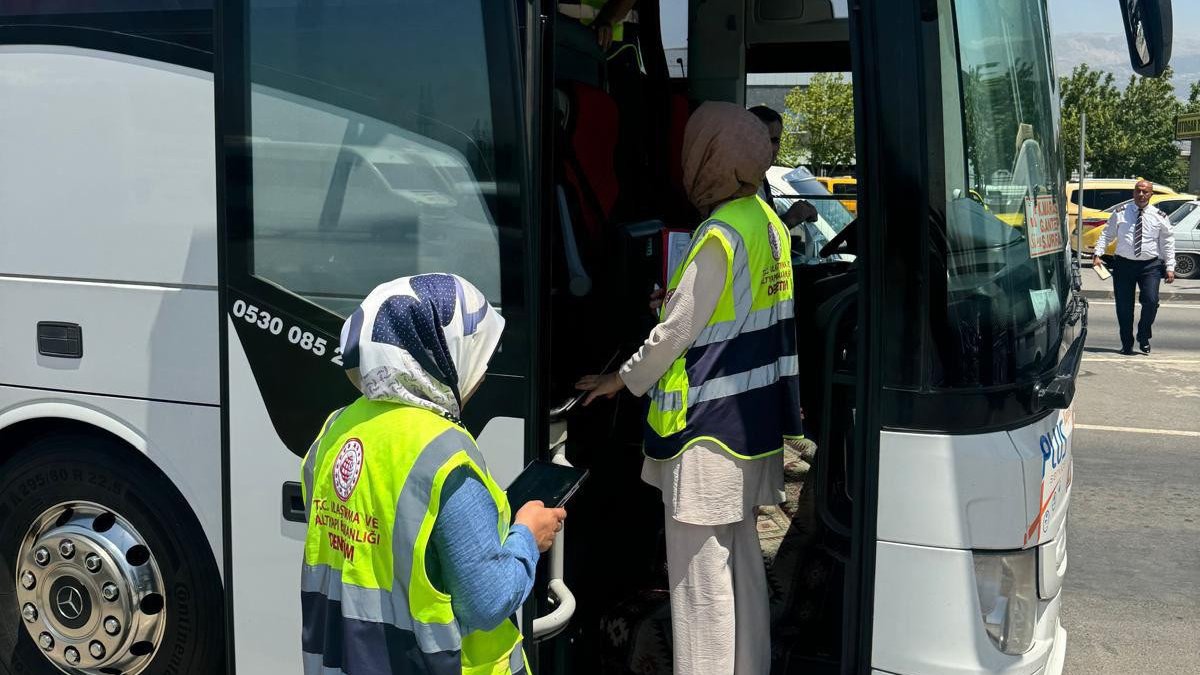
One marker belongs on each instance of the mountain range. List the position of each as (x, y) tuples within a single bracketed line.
[(1107, 51)]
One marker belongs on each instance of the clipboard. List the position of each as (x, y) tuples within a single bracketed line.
[(676, 244)]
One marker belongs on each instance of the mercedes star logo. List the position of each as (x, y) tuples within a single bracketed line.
[(69, 602)]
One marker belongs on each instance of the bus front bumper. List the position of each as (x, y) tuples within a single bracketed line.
[(927, 619)]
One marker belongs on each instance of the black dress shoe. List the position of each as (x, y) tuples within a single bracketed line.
[(1145, 347), (1127, 351)]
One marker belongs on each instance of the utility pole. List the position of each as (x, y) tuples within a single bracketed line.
[(1079, 188)]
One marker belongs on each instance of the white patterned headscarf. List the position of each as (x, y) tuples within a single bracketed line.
[(423, 341)]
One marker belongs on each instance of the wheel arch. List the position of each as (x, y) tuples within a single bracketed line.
[(22, 424)]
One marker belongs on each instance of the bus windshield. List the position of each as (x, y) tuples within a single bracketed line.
[(1005, 243)]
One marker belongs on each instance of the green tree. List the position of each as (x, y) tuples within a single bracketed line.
[(1146, 116), (1193, 99), (1129, 132), (819, 122), (1094, 92)]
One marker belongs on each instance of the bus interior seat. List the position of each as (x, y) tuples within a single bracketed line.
[(589, 122), (604, 264)]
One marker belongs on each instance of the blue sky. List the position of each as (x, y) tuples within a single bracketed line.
[(1066, 16), (1104, 16)]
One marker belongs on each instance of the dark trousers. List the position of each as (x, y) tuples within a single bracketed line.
[(1146, 275)]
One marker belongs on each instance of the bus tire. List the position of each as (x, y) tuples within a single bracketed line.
[(91, 491)]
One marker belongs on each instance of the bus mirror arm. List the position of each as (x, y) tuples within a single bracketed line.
[(1060, 390)]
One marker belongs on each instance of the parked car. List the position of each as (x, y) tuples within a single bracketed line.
[(788, 185), (1172, 201), (1167, 203), (843, 186), (1186, 222), (1099, 194)]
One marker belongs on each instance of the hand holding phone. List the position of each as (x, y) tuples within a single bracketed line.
[(544, 523)]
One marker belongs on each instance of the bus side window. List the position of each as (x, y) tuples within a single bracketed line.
[(374, 146)]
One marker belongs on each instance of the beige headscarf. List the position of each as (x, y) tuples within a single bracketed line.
[(726, 153)]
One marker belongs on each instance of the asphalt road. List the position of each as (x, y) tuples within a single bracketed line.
[(1132, 602)]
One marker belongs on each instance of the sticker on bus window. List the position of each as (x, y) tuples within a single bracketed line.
[(1043, 228)]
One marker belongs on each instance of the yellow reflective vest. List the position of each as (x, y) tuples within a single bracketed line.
[(586, 11), (737, 386), (372, 486)]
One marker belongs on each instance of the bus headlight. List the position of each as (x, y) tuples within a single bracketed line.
[(1007, 585)]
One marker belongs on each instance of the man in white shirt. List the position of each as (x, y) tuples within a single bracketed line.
[(1145, 254)]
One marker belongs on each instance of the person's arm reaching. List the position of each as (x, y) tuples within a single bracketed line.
[(1109, 233), (613, 12), (687, 313)]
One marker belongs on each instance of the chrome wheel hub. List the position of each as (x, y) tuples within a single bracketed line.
[(89, 591)]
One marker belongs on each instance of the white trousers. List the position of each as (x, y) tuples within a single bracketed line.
[(720, 611)]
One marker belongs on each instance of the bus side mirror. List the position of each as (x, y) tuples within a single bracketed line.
[(1148, 32)]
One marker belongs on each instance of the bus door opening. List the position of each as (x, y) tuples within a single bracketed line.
[(617, 187)]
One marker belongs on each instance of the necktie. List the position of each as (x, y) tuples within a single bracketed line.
[(1137, 236)]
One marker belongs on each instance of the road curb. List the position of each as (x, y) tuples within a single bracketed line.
[(1185, 296)]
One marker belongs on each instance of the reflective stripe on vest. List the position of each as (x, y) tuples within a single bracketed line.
[(738, 384), (731, 385), (368, 605), (310, 459)]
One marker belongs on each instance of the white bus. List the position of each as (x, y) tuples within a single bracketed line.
[(194, 194)]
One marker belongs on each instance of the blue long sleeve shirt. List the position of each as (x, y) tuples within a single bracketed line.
[(487, 581)]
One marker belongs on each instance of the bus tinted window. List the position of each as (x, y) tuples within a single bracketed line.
[(999, 321), (375, 149), (183, 22)]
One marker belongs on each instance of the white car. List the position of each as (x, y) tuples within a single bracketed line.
[(788, 185), (1186, 221)]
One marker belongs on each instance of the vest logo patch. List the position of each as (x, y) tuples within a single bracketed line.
[(347, 468), (776, 246)]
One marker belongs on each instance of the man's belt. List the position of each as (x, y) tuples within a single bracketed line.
[(589, 13)]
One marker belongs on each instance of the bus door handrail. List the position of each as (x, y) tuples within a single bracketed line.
[(549, 625), (556, 621)]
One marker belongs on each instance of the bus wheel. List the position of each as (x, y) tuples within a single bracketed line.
[(103, 568)]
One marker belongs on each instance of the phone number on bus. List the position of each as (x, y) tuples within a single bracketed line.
[(275, 325)]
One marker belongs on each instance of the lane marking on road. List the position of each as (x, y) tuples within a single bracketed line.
[(1136, 430), (1170, 304), (1136, 360)]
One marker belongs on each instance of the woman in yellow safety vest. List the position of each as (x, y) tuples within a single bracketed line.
[(721, 375), (410, 564)]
